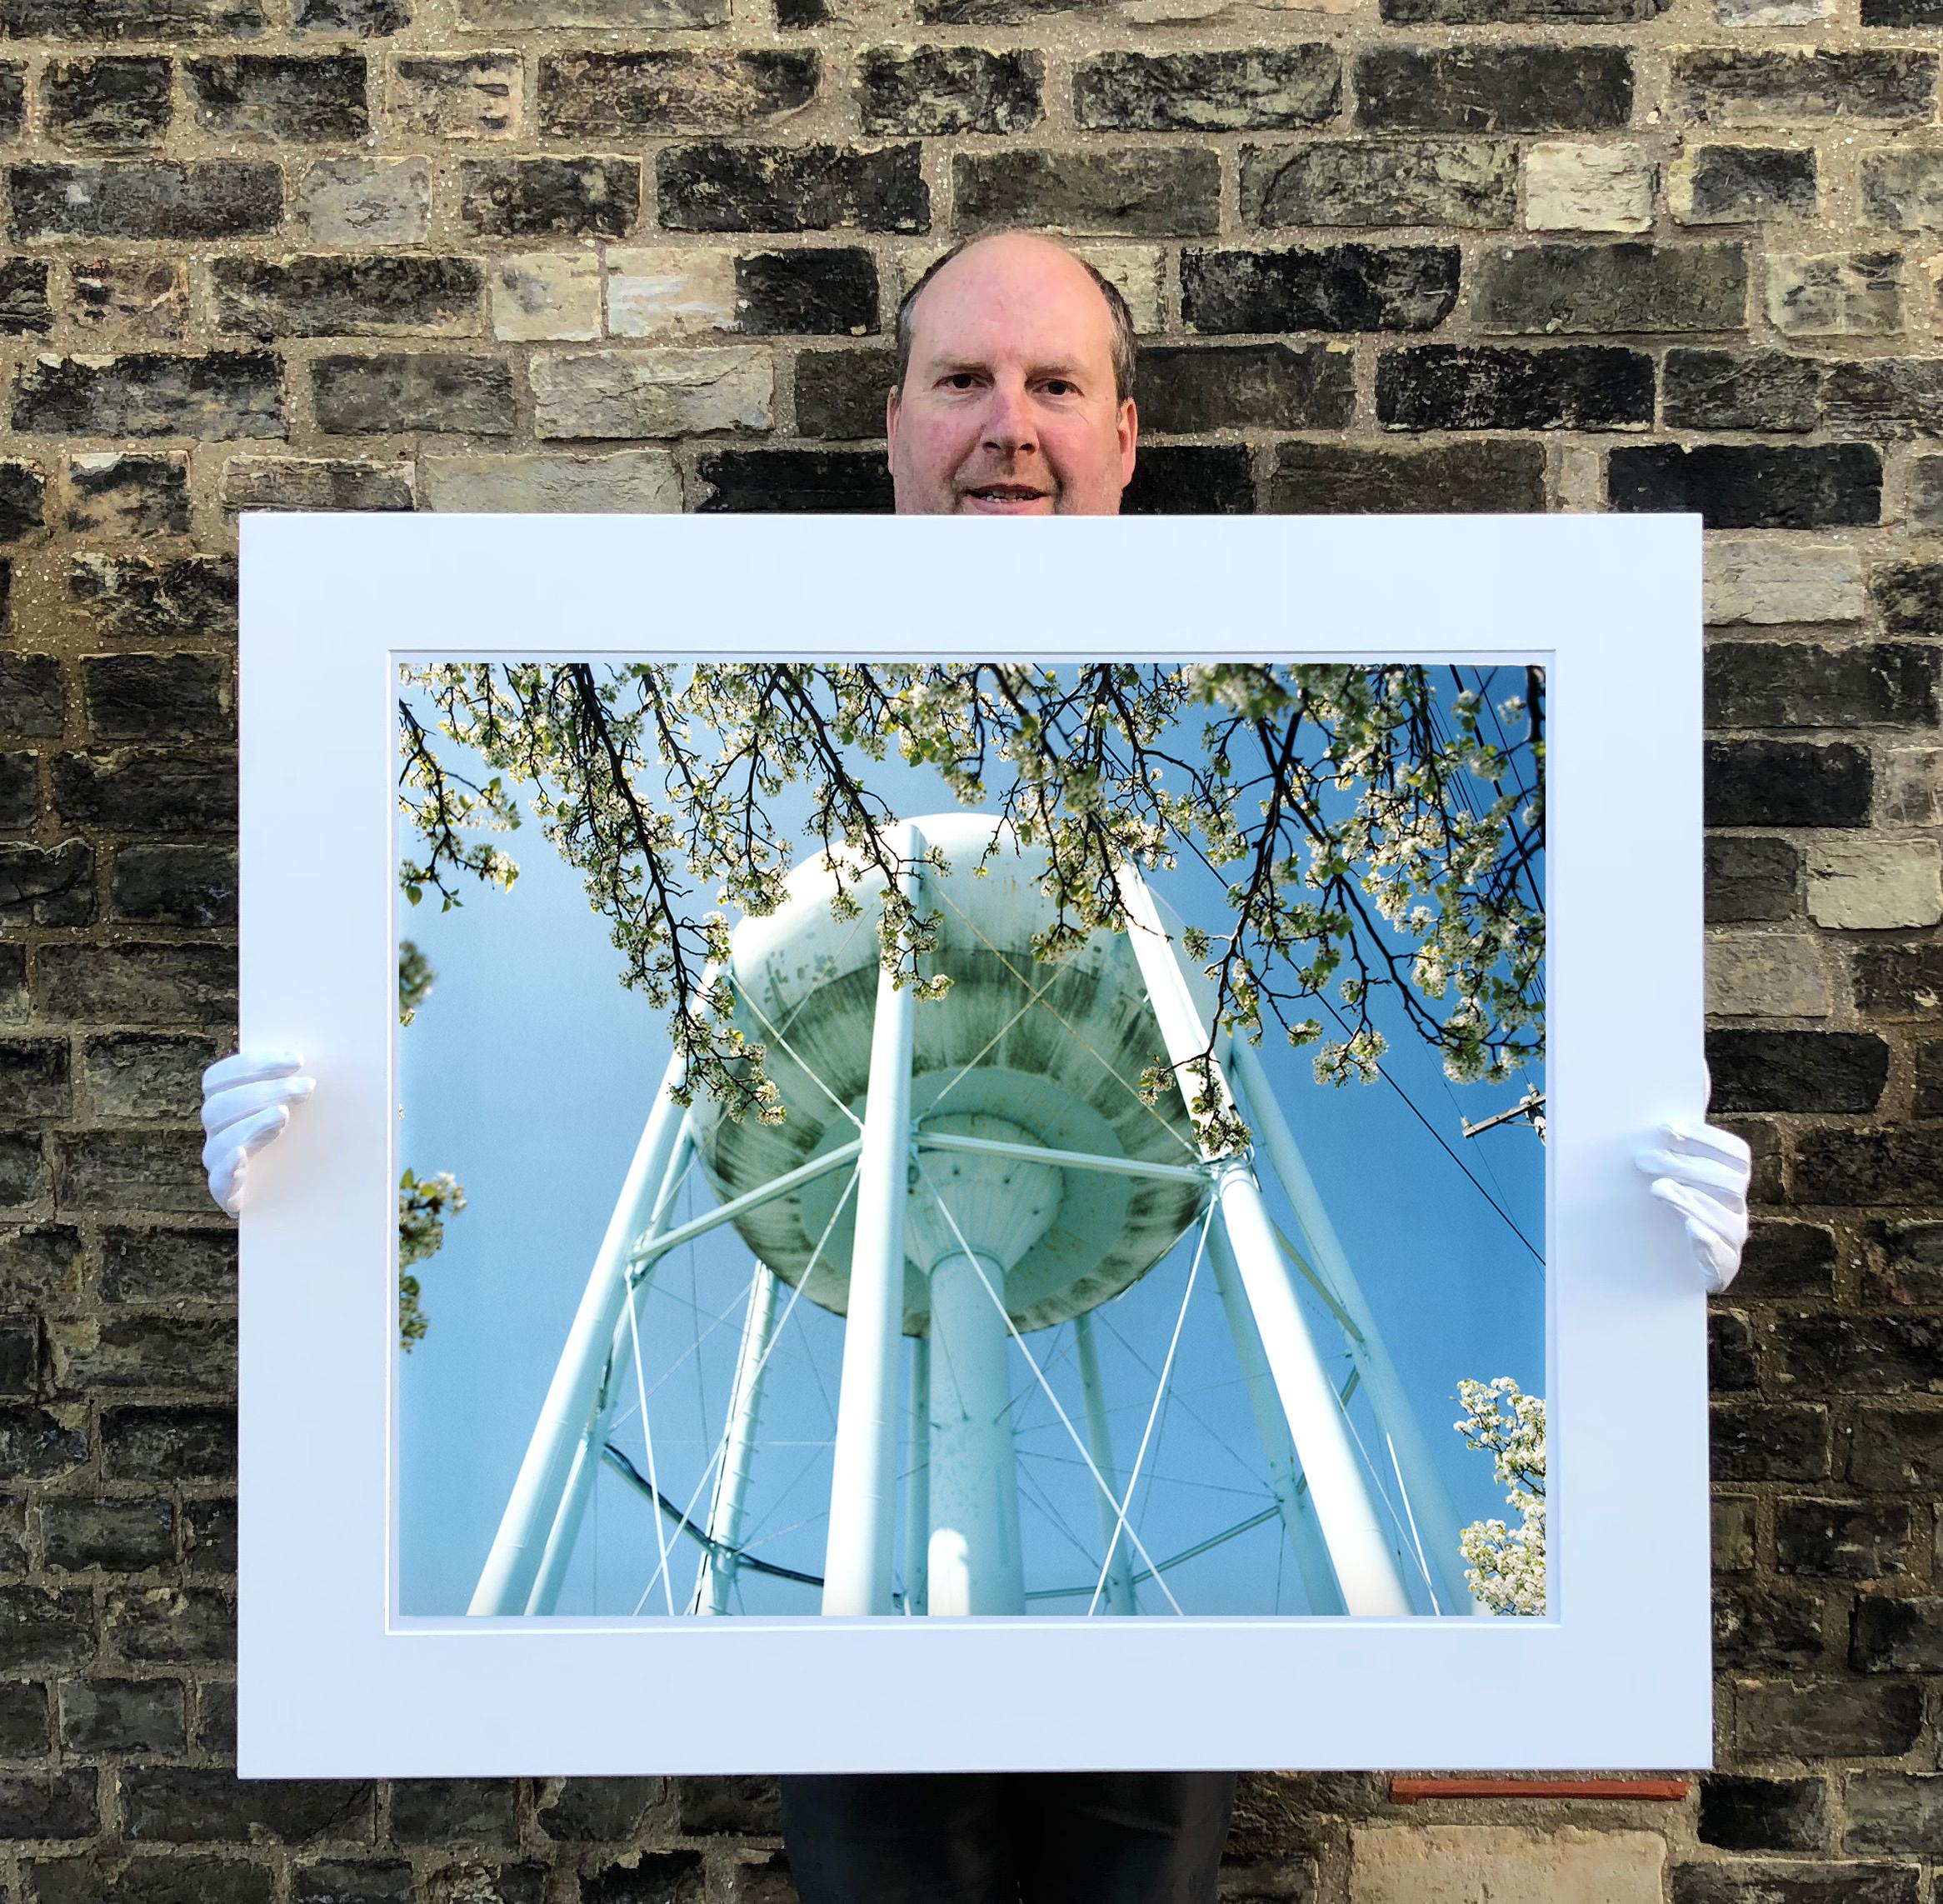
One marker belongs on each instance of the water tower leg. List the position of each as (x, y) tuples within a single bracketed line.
[(514, 1561), (732, 1484), (918, 1481), (857, 1568), (974, 1564), (1319, 1582), (1431, 1504), (1100, 1445)]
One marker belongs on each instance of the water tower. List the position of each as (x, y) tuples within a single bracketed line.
[(968, 1172)]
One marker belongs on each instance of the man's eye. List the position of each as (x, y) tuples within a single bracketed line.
[(960, 380), (1060, 386)]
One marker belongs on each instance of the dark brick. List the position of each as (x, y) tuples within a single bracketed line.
[(1751, 879), (431, 391), (1393, 181), (39, 1264), (538, 197), (130, 1170), (39, 1629), (1885, 397), (1238, 386), (1835, 1718), (444, 1811), (1897, 1633), (1820, 1883), (1842, 1540), (932, 90), (597, 1810), (37, 1446), (1732, 1366), (197, 1353), (1902, 13), (1731, 1533), (1791, 1260), (229, 393), (31, 698), (279, 98), (1250, 90), (139, 983), (19, 790), (1521, 12), (23, 494), (827, 291), (1786, 783), (656, 1877), (314, 483), (1748, 86), (151, 696), (56, 1804), (165, 1879), (141, 597), (178, 1805), (792, 188), (1494, 88), (24, 1720), (23, 1175), (146, 198), (1737, 185), (1911, 1271), (168, 1444), (1929, 1080), (48, 885), (1903, 190), (1736, 485), (1187, 479), (112, 494), (174, 885), (1553, 288), (158, 20), (146, 791), (839, 482), (841, 393), (1897, 1450), (149, 292), (1451, 387), (365, 18), (345, 297), (1895, 1811), (1892, 1167), (1142, 191), (209, 1536), (104, 105), (168, 1266), (375, 1882), (170, 1625), (1772, 684), (120, 1536), (1899, 981), (1773, 1442), (1339, 287), (618, 95), (146, 1075), (744, 1806), (22, 1356), (1733, 389), (1742, 1814), (1879, 1354), (24, 309), (1327, 479), (34, 1084), (1910, 596), (1796, 1071)]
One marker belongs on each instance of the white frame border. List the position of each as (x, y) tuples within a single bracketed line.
[(1618, 1676)]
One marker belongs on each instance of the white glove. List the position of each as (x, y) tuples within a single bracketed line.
[(1704, 1172), (246, 1102)]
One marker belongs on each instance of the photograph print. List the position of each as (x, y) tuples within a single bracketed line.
[(1005, 1138)]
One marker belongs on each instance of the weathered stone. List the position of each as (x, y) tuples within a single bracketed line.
[(541, 295), (139, 983), (1453, 387), (594, 1811), (1910, 596), (1796, 1071), (130, 1170), (1929, 1102), (1765, 975), (168, 1444), (1456, 1864), (279, 98), (1768, 1441), (149, 295), (168, 1266), (229, 393), (1571, 187), (1733, 1363), (1900, 981), (1312, 479), (1393, 181), (120, 1537), (1500, 88), (1909, 787), (933, 91), (108, 105), (1262, 87), (1740, 185), (652, 1877), (432, 390), (631, 482), (112, 495), (1830, 1719), (543, 198), (621, 95), (174, 885), (1897, 1451), (189, 1805), (1885, 397), (1563, 287), (1895, 1812), (1839, 294), (650, 392), (364, 202), (1904, 190), (132, 19), (24, 309), (147, 697), (126, 1715), (373, 1880), (1737, 85), (792, 188), (1837, 1354), (1143, 191), (34, 1082), (606, 16), (1840, 1540), (326, 295), (48, 885), (1744, 1814), (1873, 884), (840, 394), (363, 17), (146, 791), (836, 482), (1339, 287), (31, 701), (147, 1076), (1762, 582), (457, 96), (1741, 486), (1521, 12), (146, 198), (1277, 386), (1774, 684), (1786, 783), (1731, 1532), (1911, 1272), (1925, 492), (314, 483), (56, 1804), (1897, 1168), (441, 1810)]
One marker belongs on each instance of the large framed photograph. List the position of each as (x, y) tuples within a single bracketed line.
[(941, 1148)]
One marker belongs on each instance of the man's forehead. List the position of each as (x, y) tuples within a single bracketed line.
[(1012, 296)]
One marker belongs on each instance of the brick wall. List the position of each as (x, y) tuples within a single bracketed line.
[(639, 254)]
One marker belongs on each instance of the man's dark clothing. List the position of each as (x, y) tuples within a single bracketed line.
[(1007, 1837)]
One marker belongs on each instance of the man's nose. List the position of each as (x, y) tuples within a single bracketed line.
[(1008, 419)]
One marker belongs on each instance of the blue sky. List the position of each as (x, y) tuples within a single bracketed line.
[(529, 1073)]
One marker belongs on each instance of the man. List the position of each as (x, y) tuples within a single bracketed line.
[(1013, 397)]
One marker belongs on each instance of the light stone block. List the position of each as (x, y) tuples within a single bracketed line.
[(1504, 1864), (1765, 975), (1765, 580), (666, 291), (364, 202), (651, 393), (1771, 12), (1571, 187), (626, 482), (1909, 787), (1871, 884), (1836, 294), (546, 295)]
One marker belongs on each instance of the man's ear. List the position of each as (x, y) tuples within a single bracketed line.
[(1129, 429), (891, 400)]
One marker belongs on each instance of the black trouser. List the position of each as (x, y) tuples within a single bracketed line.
[(1007, 1837)]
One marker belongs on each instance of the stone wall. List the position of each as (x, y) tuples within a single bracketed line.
[(640, 254)]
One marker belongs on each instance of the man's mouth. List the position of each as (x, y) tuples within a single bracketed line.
[(1003, 498)]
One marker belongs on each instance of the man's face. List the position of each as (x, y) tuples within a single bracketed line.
[(1008, 407)]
